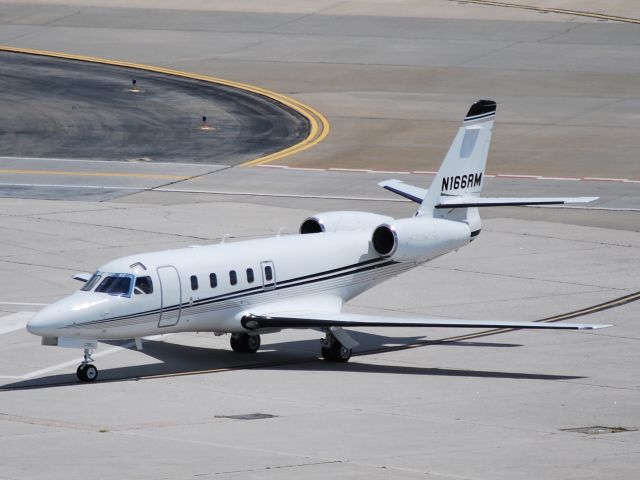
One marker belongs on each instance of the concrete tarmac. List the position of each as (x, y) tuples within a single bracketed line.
[(486, 407), (394, 80)]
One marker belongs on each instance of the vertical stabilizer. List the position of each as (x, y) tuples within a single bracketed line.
[(462, 171)]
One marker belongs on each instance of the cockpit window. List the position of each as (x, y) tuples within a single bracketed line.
[(116, 284), (92, 282), (143, 285)]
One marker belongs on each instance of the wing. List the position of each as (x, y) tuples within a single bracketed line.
[(256, 322)]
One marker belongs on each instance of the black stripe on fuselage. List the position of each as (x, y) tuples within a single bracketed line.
[(284, 284)]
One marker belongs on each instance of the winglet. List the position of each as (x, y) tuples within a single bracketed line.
[(480, 110)]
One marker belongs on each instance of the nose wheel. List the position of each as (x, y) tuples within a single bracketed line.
[(87, 372)]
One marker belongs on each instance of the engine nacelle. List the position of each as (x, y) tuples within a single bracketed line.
[(419, 239), (342, 221)]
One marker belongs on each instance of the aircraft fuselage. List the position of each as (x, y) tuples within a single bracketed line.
[(210, 288)]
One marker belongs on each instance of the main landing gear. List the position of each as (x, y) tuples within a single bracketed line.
[(87, 372), (333, 350), (245, 343)]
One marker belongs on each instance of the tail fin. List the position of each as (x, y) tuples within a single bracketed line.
[(455, 191), (463, 167)]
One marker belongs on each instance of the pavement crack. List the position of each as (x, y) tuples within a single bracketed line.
[(64, 17), (572, 240), (522, 277), (45, 422), (458, 303), (302, 17), (29, 264), (566, 31), (172, 183), (126, 229), (277, 467)]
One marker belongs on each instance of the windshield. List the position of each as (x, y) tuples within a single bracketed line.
[(118, 284)]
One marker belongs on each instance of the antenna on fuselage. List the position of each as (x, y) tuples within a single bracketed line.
[(224, 237), (280, 230)]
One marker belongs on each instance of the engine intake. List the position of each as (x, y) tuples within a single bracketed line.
[(418, 239), (384, 240), (342, 221), (311, 225)]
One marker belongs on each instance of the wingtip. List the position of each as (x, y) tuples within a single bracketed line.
[(481, 109), (594, 327), (582, 200)]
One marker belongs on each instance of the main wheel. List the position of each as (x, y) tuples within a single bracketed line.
[(245, 343), (336, 352), (87, 373)]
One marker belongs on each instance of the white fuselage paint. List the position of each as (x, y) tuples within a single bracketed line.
[(314, 270)]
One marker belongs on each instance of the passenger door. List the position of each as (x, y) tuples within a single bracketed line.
[(170, 296)]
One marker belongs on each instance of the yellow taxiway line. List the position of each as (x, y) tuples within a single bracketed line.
[(564, 11), (318, 124)]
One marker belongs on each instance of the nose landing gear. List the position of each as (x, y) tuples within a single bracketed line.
[(87, 372)]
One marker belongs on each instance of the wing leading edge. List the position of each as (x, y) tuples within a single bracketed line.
[(257, 322)]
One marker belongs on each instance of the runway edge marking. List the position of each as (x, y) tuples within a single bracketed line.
[(561, 11), (318, 125), (425, 172)]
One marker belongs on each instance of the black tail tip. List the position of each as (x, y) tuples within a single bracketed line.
[(481, 109)]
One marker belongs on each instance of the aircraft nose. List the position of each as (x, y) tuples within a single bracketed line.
[(42, 324)]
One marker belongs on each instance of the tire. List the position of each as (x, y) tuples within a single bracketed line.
[(87, 373), (245, 343), (253, 343), (336, 352)]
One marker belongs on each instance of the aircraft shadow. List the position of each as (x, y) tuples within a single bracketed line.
[(176, 360)]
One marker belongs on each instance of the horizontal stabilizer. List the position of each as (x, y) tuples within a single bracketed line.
[(465, 202), (415, 194), (256, 322)]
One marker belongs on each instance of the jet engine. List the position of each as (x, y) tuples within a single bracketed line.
[(418, 239), (342, 221)]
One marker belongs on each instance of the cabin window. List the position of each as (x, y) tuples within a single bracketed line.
[(92, 282), (268, 273), (213, 280), (233, 277), (118, 285), (250, 277), (194, 282), (143, 285)]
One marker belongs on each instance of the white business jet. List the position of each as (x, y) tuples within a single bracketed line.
[(249, 288)]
